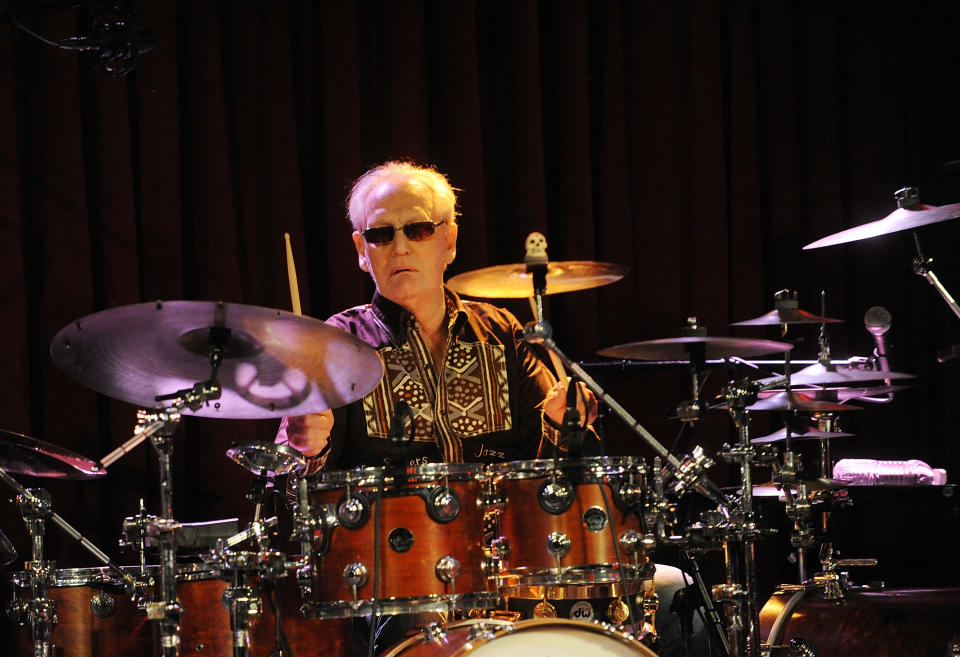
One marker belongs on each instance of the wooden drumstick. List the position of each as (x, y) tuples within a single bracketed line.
[(554, 359), (292, 277)]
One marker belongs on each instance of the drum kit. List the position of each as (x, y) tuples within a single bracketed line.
[(517, 555)]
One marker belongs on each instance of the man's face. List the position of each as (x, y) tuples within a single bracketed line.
[(406, 272)]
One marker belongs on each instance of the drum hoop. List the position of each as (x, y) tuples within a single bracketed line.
[(597, 466), (504, 627), (415, 474), (784, 616), (427, 603)]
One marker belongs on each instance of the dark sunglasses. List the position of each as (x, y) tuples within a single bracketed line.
[(415, 231)]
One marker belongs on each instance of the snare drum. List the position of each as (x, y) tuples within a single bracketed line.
[(430, 547), (498, 638), (905, 623), (558, 521)]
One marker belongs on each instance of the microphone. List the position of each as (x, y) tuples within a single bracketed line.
[(115, 40), (397, 434), (877, 321), (8, 553)]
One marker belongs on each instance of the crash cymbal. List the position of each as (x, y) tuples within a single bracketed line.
[(806, 433), (274, 363), (770, 489), (24, 455), (905, 218), (830, 375), (269, 459), (514, 282), (798, 401), (682, 348)]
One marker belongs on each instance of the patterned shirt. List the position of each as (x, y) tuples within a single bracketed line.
[(483, 406)]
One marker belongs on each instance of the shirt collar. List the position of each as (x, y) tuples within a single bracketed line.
[(396, 318)]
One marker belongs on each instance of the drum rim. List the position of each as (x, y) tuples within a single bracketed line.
[(589, 465), (415, 474), (504, 627), (327, 609)]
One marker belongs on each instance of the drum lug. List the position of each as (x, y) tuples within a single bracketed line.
[(558, 545), (433, 633), (443, 504), (448, 569), (355, 575), (800, 647), (353, 510), (103, 605), (555, 495)]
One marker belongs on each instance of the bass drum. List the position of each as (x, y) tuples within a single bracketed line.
[(905, 623), (499, 638)]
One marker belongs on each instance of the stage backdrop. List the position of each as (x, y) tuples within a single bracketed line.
[(701, 144)]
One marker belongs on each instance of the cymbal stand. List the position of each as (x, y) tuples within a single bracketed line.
[(159, 425), (35, 506), (739, 593), (923, 266)]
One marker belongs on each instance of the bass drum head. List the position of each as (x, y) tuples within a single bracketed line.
[(498, 638), (901, 623)]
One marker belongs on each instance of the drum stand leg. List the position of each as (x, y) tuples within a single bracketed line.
[(41, 612)]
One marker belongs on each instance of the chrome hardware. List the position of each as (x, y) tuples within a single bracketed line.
[(448, 569)]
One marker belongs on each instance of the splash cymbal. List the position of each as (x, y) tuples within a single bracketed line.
[(267, 459), (274, 363), (682, 348), (24, 455), (512, 281)]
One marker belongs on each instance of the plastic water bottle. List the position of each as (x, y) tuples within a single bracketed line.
[(872, 472)]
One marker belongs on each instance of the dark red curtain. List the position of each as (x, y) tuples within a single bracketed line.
[(700, 143)]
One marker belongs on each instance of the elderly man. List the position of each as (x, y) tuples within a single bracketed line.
[(476, 390)]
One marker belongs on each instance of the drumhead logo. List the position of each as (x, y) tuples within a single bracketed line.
[(581, 611)]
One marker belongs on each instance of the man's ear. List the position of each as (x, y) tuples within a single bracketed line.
[(452, 230), (361, 245)]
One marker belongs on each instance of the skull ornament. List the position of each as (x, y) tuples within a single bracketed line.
[(536, 247)]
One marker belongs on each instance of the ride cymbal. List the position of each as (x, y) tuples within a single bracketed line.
[(513, 281), (24, 455), (682, 348), (274, 363)]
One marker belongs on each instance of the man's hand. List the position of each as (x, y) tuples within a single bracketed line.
[(555, 403), (308, 434)]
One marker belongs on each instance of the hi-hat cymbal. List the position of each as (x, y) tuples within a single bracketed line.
[(682, 348), (770, 488), (805, 433), (830, 375), (798, 401), (24, 455), (274, 363), (900, 219), (514, 282)]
